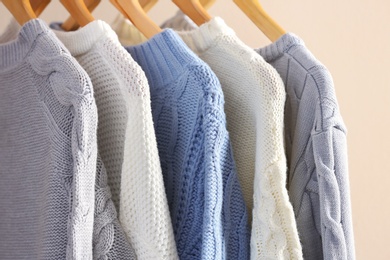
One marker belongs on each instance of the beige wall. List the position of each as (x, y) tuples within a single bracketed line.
[(352, 38)]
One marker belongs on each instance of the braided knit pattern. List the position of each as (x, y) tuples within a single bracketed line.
[(109, 239)]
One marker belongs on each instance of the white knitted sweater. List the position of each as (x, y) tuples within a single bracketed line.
[(255, 97), (126, 138)]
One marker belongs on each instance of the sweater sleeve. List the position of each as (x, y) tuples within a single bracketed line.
[(223, 195), (72, 86), (330, 150), (109, 239)]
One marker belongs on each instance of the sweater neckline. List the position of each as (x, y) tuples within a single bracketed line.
[(164, 57), (279, 47), (81, 41), (205, 36), (16, 41)]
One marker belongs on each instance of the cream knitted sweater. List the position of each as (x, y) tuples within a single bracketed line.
[(255, 97), (126, 138)]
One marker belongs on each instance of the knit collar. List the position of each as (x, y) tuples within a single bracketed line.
[(205, 36), (16, 41), (81, 41), (164, 57), (281, 46)]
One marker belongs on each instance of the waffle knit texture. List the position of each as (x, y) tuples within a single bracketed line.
[(126, 141), (205, 200), (316, 147), (255, 99), (48, 148)]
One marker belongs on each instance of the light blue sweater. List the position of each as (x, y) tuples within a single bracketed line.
[(316, 148), (206, 204)]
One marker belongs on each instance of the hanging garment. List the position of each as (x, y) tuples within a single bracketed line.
[(316, 149), (126, 139), (255, 99), (48, 150), (206, 205)]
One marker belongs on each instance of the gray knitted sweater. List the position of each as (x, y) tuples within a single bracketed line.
[(48, 149), (316, 148), (108, 240)]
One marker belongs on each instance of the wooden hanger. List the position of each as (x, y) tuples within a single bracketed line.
[(134, 12), (194, 10), (39, 5), (261, 19), (147, 4), (71, 24), (21, 10), (79, 11), (207, 3)]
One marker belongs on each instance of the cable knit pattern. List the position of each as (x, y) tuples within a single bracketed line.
[(316, 149), (109, 240), (127, 140), (48, 148), (205, 201), (255, 98)]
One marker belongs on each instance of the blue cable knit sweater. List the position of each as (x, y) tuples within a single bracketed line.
[(205, 200)]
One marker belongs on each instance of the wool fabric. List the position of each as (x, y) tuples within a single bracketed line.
[(207, 208), (126, 139), (255, 98), (316, 148), (48, 148)]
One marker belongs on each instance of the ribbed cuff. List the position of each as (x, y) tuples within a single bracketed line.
[(19, 41), (82, 40), (164, 57), (278, 48)]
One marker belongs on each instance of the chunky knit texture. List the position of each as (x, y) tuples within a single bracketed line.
[(205, 200), (316, 147), (48, 148), (255, 99), (127, 141)]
